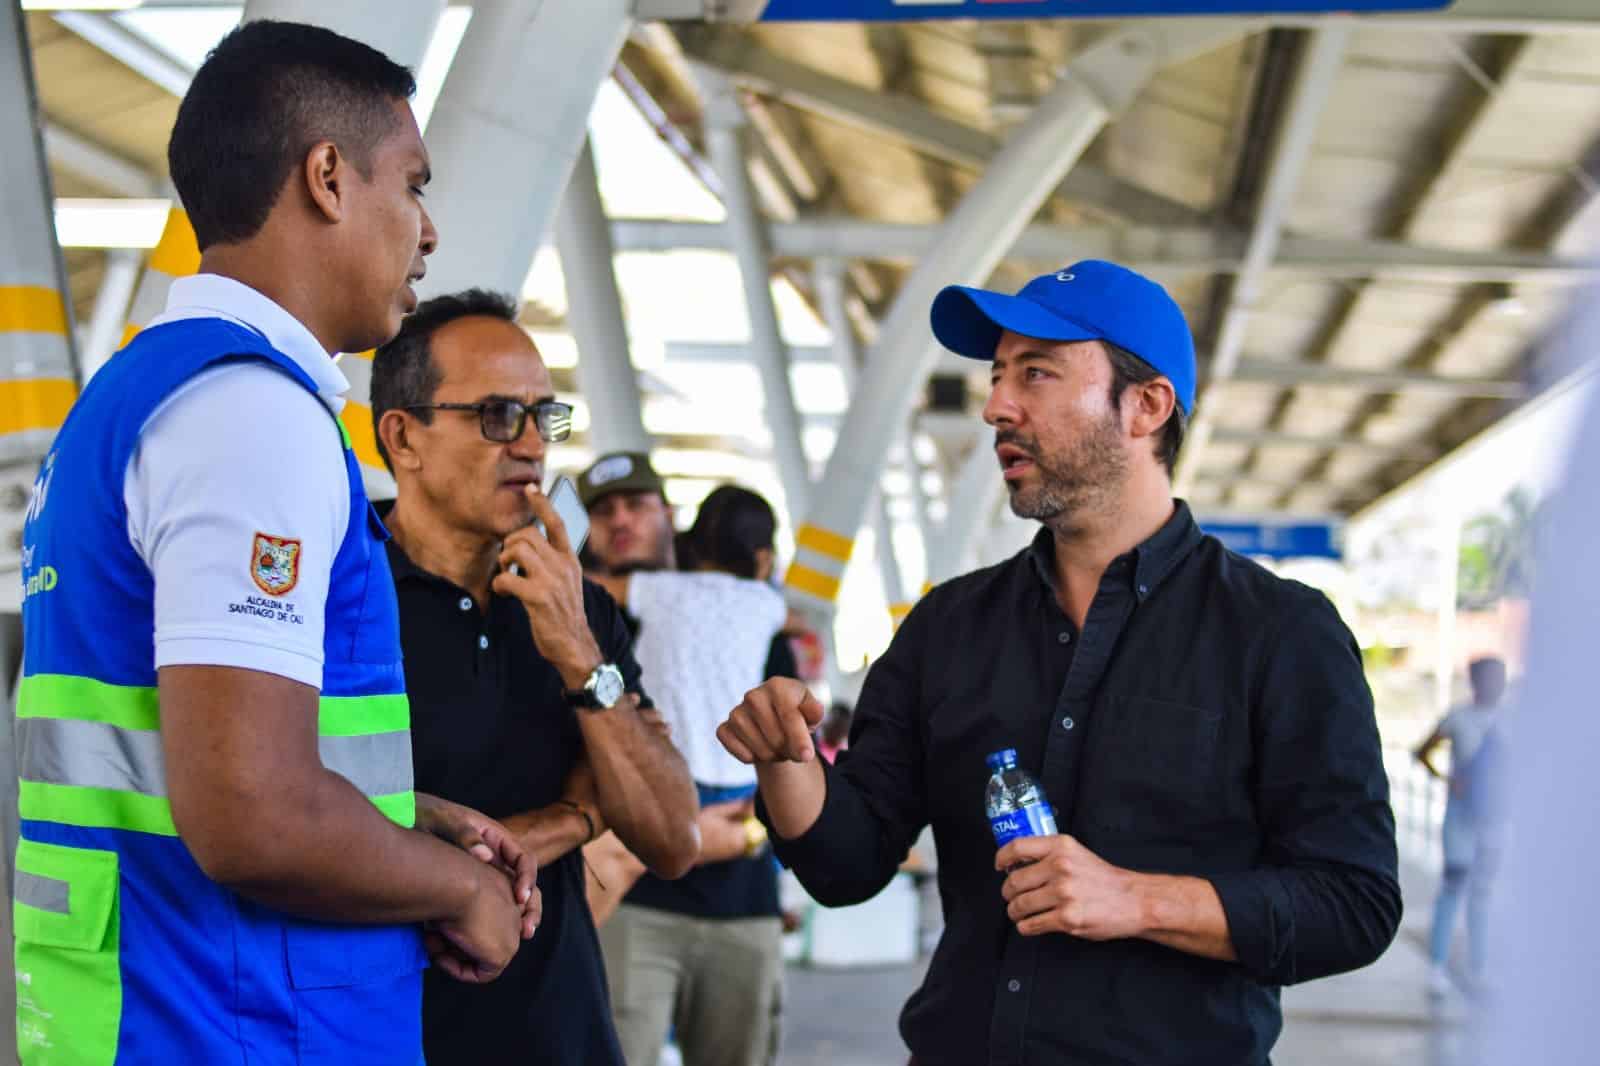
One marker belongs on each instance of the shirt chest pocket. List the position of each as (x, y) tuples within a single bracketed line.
[(1154, 770)]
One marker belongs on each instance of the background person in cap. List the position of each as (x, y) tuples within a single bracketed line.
[(703, 954), (1202, 727)]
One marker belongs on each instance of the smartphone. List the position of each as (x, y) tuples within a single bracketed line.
[(564, 498)]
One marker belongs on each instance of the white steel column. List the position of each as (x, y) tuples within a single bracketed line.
[(1313, 86), (509, 125), (1098, 84), (38, 383), (725, 126), (38, 372), (400, 31), (594, 311), (110, 308), (829, 281), (971, 502)]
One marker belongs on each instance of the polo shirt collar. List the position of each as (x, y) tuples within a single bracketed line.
[(212, 295)]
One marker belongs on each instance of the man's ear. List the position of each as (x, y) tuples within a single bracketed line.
[(765, 560), (324, 173), (394, 431), (1147, 406)]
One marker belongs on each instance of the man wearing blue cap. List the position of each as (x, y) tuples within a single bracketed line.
[(1202, 727)]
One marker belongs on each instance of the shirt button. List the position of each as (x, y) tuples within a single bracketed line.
[(1064, 637), (1067, 723), (1014, 985), (1144, 590), (466, 603), (483, 643)]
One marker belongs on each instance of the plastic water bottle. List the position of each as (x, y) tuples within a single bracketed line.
[(1015, 801)]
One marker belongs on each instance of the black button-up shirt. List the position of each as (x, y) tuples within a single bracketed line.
[(1211, 720), (490, 728)]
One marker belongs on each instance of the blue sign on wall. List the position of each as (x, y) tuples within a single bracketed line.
[(1278, 540), (909, 10)]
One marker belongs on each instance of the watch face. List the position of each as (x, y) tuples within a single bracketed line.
[(607, 685)]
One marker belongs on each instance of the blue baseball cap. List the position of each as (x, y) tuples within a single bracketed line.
[(1088, 301)]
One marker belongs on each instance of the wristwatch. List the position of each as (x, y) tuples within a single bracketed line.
[(601, 691)]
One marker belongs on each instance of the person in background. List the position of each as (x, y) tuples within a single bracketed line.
[(834, 734), (1474, 820), (1203, 728), (524, 689), (700, 957), (223, 858)]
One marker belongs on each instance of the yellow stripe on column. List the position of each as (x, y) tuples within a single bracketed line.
[(35, 403), (898, 612), (32, 309), (803, 578), (825, 542), (177, 254), (927, 587)]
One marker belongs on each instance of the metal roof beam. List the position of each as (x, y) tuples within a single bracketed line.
[(1266, 437), (1314, 79), (1176, 250), (909, 121), (1290, 374), (92, 162), (130, 49), (1473, 16)]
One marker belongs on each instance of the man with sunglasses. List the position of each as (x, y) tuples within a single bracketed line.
[(524, 690)]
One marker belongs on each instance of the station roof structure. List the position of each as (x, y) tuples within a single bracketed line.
[(1367, 317)]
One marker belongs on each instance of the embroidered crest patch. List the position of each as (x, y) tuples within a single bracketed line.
[(275, 564)]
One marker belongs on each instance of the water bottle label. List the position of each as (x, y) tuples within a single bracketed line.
[(1034, 820)]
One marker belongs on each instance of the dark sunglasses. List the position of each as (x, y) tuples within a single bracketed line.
[(503, 421)]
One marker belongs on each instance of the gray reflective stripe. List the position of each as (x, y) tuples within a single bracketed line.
[(45, 893), (65, 751), (378, 764)]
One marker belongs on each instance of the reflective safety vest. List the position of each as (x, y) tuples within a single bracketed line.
[(125, 951)]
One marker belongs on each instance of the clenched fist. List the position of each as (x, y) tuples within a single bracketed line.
[(773, 724)]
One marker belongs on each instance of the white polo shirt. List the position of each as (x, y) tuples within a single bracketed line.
[(235, 463), (703, 643)]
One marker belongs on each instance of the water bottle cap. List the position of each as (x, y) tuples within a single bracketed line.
[(1002, 759)]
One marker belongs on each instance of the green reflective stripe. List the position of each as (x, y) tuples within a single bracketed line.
[(355, 716), (95, 808), (400, 808), (83, 698), (344, 434)]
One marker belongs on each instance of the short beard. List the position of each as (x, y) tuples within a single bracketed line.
[(1086, 479)]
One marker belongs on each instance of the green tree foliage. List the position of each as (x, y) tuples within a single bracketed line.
[(1497, 553)]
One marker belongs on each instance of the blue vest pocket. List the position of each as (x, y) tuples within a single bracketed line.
[(344, 956)]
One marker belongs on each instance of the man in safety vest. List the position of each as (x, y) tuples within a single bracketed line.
[(221, 858)]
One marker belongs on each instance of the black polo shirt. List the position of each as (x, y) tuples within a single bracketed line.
[(1210, 720), (490, 729)]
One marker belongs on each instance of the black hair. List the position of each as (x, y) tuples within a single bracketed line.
[(1488, 677), (1128, 369), (731, 527), (265, 94), (403, 371)]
